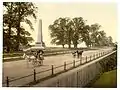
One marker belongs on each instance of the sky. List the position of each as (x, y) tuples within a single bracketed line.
[(102, 13)]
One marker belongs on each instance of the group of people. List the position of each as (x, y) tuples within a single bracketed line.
[(77, 53)]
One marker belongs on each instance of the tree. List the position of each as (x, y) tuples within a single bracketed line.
[(94, 34), (14, 14), (23, 10), (110, 41), (74, 31), (102, 38), (58, 31), (69, 32), (86, 35), (7, 22), (78, 25)]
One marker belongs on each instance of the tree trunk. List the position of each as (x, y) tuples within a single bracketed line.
[(69, 39), (18, 30), (69, 46), (75, 45), (63, 45), (9, 37), (9, 31), (8, 49)]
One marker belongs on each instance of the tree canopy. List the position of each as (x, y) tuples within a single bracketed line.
[(14, 33), (74, 31)]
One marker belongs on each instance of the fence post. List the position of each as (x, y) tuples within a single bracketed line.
[(90, 58), (73, 63), (7, 81), (86, 59), (65, 66), (52, 70), (34, 75), (77, 79), (94, 56), (103, 53), (80, 60), (58, 83)]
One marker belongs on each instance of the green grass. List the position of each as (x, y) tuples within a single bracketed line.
[(48, 50), (19, 58), (107, 80), (21, 54), (13, 59)]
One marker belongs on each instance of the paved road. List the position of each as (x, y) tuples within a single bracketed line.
[(21, 68)]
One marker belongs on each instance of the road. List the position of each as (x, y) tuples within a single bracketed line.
[(21, 68)]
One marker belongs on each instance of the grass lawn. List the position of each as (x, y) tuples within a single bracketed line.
[(47, 50), (107, 80)]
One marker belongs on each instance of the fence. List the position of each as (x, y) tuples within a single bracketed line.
[(77, 79), (80, 77), (56, 69)]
